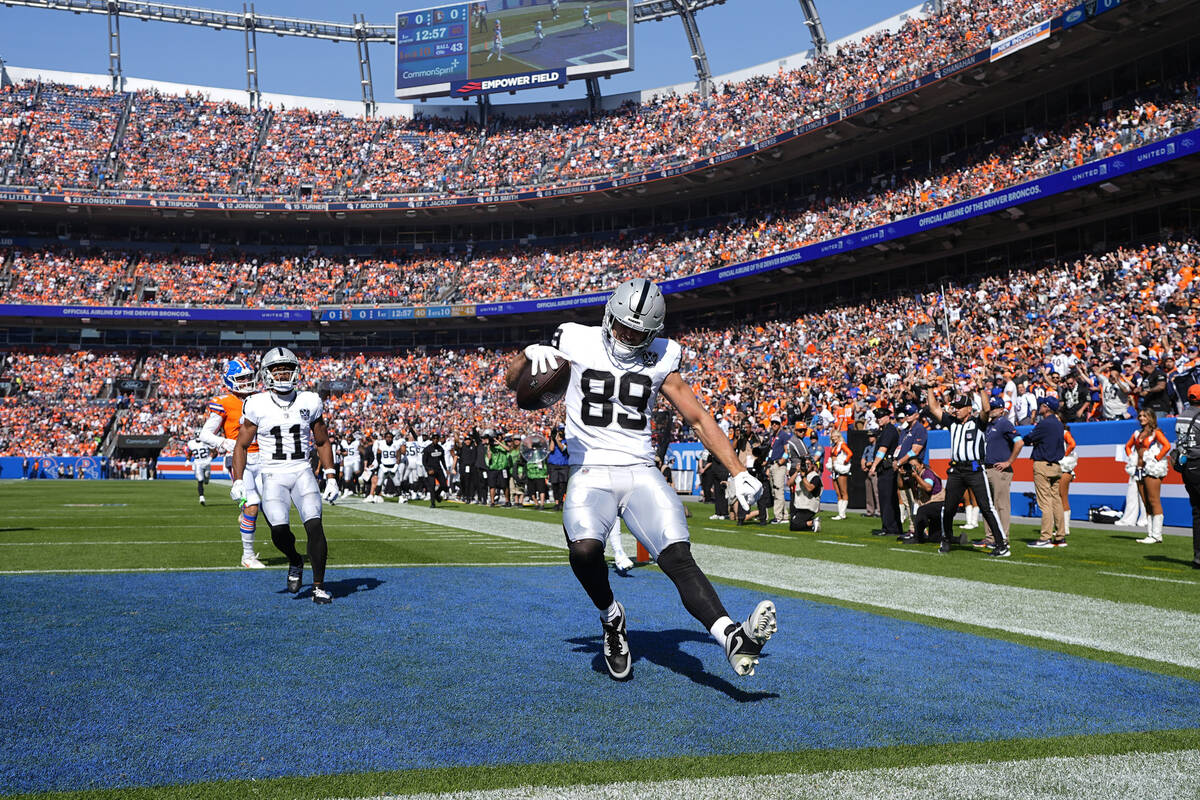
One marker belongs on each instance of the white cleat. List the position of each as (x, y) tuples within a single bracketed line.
[(202, 501), (816, 524), (744, 642), (623, 564), (251, 562)]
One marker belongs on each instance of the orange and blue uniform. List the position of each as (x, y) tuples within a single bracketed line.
[(229, 408)]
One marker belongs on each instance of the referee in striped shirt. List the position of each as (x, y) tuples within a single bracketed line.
[(967, 469)]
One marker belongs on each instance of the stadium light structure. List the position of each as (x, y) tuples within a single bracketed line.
[(358, 31)]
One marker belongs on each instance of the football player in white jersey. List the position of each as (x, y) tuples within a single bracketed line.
[(387, 463), (287, 424), (201, 456), (617, 371), (497, 44), (351, 462), (414, 468)]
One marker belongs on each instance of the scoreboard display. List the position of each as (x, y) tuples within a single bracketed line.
[(472, 48), (433, 43)]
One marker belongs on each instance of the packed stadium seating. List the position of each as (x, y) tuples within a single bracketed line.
[(531, 271), (190, 144), (187, 144), (824, 368)]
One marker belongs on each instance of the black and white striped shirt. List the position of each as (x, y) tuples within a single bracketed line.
[(966, 438)]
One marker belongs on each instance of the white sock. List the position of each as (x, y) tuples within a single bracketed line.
[(842, 504), (1066, 524), (1157, 526), (972, 515), (611, 613), (246, 527), (718, 629), (614, 538)]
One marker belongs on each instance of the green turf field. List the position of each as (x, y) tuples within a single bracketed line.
[(135, 529)]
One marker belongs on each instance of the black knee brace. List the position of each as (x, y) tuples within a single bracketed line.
[(587, 562), (698, 595), (318, 548)]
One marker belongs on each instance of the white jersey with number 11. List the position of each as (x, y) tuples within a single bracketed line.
[(284, 428)]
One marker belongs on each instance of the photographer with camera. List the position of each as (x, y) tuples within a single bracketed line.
[(558, 465), (806, 497), (928, 494), (757, 449)]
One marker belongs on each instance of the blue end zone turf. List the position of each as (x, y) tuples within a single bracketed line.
[(171, 678)]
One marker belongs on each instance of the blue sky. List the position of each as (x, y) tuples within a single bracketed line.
[(738, 34)]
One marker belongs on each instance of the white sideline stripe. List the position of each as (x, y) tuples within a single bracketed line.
[(1149, 578), (329, 568), (773, 536), (1131, 629), (1163, 776), (912, 550), (843, 544)]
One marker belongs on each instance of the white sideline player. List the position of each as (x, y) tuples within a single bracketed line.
[(351, 462), (617, 371), (201, 456), (414, 468), (587, 18), (287, 424), (387, 463)]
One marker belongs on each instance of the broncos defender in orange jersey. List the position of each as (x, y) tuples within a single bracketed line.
[(221, 432)]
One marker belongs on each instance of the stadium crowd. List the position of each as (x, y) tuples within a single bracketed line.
[(54, 275), (1090, 332), (190, 144)]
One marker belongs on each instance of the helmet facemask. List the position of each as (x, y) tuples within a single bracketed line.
[(633, 317), (281, 377)]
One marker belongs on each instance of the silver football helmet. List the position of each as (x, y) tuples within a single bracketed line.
[(633, 316), (279, 370)]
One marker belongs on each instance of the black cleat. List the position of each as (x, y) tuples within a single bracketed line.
[(616, 648), (944, 547), (744, 641), (321, 596), (295, 576)]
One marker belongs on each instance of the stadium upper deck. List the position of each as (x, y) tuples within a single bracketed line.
[(213, 155)]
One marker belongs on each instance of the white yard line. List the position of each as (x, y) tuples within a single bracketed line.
[(1163, 776), (1131, 629), (1149, 578), (843, 544)]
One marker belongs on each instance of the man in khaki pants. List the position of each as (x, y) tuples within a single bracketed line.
[(778, 473), (1048, 450), (1002, 446)]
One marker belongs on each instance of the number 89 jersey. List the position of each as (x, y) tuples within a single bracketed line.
[(284, 428), (609, 401)]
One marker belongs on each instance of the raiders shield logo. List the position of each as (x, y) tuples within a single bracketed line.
[(649, 358), (304, 413)]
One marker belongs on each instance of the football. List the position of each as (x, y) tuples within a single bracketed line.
[(544, 389)]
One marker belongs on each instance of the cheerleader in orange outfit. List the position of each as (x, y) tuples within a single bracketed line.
[(1069, 462), (1146, 452), (839, 469)]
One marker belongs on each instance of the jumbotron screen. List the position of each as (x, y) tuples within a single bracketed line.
[(465, 49)]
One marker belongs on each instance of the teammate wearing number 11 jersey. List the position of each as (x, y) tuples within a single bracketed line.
[(617, 371), (287, 424)]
